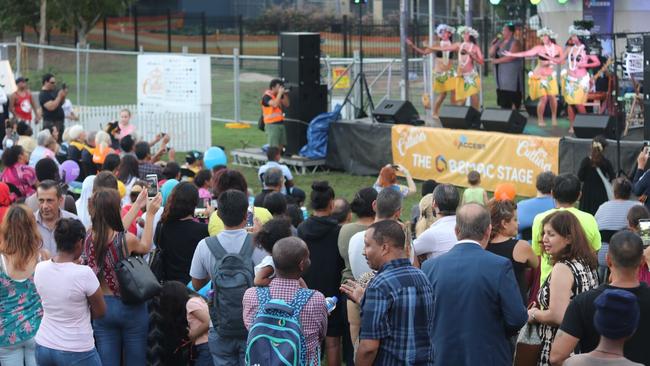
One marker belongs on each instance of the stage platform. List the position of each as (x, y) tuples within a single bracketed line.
[(254, 157), (361, 147)]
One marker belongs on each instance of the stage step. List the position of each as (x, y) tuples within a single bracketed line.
[(254, 157)]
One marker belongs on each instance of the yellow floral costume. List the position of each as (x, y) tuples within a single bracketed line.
[(467, 85), (444, 81), (541, 86), (575, 90)]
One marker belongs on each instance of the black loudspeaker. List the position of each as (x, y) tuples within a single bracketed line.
[(396, 112), (300, 63), (503, 120), (459, 117), (296, 132), (306, 102), (588, 126)]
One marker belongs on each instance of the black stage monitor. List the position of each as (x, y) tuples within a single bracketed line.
[(503, 120), (396, 112), (588, 126), (460, 117)]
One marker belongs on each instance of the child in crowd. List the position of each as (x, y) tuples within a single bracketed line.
[(180, 322), (474, 193), (269, 234)]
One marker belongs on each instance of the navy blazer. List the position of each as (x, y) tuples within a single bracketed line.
[(477, 306)]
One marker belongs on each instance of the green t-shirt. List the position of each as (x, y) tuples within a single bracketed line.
[(588, 223), (474, 195)]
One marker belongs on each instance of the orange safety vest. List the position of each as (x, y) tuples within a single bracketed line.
[(272, 114)]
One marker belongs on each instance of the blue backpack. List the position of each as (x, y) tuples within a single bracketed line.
[(275, 338)]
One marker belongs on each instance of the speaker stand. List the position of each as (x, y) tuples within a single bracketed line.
[(361, 109)]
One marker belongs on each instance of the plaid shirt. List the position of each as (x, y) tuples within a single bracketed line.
[(313, 317), (397, 309), (146, 167)]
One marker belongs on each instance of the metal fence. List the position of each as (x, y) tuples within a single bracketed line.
[(109, 78), (188, 129)]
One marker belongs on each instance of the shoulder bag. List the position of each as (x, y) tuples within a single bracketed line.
[(529, 345), (157, 257), (137, 283)]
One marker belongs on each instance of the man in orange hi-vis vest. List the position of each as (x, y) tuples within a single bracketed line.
[(274, 101)]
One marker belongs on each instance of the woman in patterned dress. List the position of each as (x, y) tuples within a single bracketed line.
[(444, 74), (574, 272), (575, 77), (542, 82)]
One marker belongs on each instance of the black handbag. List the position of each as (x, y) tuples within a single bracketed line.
[(137, 283), (157, 258)]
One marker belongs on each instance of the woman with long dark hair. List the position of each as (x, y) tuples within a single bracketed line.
[(20, 305), (103, 249), (178, 234), (320, 231), (574, 272), (595, 173), (180, 321), (128, 174)]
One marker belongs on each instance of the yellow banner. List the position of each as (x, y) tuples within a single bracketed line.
[(344, 75), (448, 155)]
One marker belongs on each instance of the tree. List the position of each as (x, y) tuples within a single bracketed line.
[(15, 15), (83, 15)]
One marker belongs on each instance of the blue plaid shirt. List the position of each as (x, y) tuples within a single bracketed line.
[(397, 309)]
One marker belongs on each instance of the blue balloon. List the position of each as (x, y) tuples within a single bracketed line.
[(214, 156)]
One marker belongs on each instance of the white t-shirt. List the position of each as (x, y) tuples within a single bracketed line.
[(358, 262), (203, 262), (266, 262), (437, 239), (64, 288)]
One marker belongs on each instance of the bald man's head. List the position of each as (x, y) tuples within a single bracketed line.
[(290, 257), (473, 223)]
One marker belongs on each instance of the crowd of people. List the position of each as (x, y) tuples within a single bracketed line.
[(244, 278)]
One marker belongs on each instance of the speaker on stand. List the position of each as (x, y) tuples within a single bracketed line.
[(300, 70)]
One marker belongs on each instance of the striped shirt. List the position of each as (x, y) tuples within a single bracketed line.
[(397, 309), (612, 215)]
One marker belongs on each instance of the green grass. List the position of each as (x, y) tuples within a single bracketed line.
[(345, 185)]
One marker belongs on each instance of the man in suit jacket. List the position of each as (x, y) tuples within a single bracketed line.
[(477, 304)]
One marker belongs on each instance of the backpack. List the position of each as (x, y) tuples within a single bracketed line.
[(275, 337), (231, 277)]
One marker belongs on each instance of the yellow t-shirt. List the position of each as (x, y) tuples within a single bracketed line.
[(588, 223), (215, 225)]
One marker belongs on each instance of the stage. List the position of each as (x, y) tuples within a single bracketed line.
[(361, 147)]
